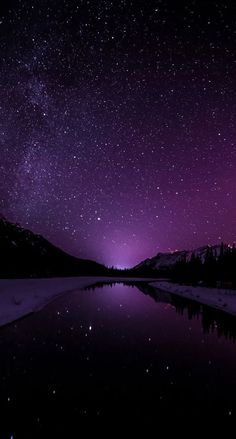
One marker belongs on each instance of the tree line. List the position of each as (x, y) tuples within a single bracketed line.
[(212, 271)]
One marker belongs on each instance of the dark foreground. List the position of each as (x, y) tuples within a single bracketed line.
[(115, 354)]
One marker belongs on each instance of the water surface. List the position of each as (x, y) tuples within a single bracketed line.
[(115, 351)]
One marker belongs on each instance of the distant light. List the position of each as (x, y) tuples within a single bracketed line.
[(90, 328)]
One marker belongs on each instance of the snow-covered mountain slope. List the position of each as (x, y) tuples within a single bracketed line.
[(201, 252), (164, 261)]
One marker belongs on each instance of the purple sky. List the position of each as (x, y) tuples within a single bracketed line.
[(117, 124)]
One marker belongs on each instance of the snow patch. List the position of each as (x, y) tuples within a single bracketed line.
[(19, 297), (224, 299)]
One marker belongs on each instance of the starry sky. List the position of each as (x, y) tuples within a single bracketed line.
[(118, 124)]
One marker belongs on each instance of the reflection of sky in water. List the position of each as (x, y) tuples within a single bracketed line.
[(114, 351)]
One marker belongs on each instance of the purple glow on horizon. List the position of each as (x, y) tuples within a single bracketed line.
[(118, 125)]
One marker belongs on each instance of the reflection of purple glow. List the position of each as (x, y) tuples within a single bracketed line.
[(118, 348)]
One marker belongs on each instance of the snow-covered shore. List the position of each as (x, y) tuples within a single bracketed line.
[(223, 299), (19, 297)]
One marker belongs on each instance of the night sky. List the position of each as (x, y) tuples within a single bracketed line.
[(118, 124)]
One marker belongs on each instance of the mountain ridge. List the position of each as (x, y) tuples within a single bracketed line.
[(27, 254), (166, 260)]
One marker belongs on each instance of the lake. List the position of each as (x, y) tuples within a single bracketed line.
[(115, 352)]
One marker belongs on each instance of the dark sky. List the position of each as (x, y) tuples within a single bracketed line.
[(118, 124)]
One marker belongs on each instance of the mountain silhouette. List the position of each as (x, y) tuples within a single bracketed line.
[(26, 254)]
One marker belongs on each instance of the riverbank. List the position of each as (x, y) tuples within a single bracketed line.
[(223, 299), (19, 297)]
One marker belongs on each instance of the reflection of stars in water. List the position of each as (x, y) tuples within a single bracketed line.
[(140, 352)]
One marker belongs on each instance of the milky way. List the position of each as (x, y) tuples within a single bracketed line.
[(117, 122)]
